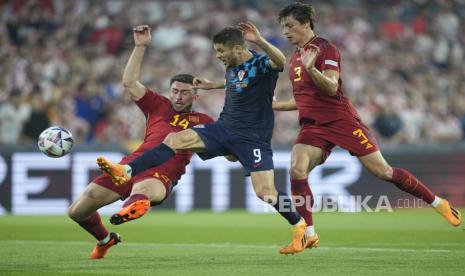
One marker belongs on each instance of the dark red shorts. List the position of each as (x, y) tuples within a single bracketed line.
[(159, 173), (352, 135)]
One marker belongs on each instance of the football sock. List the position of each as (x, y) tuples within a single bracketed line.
[(302, 195), (151, 158), (286, 209), (435, 201), (133, 198), (105, 240), (310, 231), (407, 182), (94, 226)]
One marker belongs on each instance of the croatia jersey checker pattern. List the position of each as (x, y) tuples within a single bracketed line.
[(249, 94)]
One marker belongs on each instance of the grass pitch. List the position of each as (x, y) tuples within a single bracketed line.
[(404, 242)]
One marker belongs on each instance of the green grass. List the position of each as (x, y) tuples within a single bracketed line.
[(404, 242)]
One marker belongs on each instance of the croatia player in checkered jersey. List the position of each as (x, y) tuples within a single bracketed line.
[(327, 118)]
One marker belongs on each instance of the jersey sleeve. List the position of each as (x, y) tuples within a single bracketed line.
[(149, 101), (264, 63), (205, 119), (330, 58)]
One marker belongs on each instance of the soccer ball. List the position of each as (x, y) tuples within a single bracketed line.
[(55, 141)]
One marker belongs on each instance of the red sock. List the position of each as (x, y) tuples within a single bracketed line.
[(94, 226), (302, 189), (133, 198), (407, 182)]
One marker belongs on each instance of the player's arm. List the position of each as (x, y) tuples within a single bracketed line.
[(205, 84), (327, 80), (251, 34), (284, 105), (131, 73), (231, 158)]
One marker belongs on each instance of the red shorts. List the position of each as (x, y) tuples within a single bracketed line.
[(352, 135), (159, 173)]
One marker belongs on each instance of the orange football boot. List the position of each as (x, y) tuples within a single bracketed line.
[(116, 171), (312, 242), (299, 241), (101, 250), (451, 214), (134, 211)]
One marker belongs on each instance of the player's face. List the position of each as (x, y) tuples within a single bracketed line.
[(182, 96), (295, 32), (227, 55)]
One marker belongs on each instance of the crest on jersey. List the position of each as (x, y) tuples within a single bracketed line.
[(194, 119), (241, 75)]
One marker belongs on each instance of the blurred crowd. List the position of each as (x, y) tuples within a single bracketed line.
[(62, 62)]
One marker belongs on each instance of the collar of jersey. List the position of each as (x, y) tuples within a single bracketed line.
[(310, 41)]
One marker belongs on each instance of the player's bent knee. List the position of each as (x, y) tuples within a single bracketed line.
[(298, 172), (75, 213), (382, 172), (267, 195)]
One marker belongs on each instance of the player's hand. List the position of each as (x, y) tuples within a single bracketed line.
[(250, 32), (231, 158), (142, 35), (309, 55), (202, 83)]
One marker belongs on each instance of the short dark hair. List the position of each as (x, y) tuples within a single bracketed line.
[(304, 13), (229, 36), (184, 78)]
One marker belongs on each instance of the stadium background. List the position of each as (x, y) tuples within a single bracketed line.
[(62, 61)]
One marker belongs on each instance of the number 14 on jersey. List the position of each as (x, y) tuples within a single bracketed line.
[(175, 122)]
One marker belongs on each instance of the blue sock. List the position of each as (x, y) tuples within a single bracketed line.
[(286, 208), (151, 158)]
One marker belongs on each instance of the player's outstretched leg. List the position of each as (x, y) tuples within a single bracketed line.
[(116, 171), (135, 207), (101, 249), (407, 182)]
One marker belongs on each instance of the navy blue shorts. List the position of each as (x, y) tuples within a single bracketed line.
[(220, 140)]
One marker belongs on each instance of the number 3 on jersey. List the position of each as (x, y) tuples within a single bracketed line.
[(184, 123), (298, 72)]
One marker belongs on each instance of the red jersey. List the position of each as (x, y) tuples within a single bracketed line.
[(162, 119), (314, 105)]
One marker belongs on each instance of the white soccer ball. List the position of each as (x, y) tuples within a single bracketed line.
[(55, 141)]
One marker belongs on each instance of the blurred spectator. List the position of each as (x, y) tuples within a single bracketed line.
[(13, 115), (38, 120), (407, 53), (389, 125)]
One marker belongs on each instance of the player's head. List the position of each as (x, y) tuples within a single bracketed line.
[(229, 45), (182, 92), (297, 21)]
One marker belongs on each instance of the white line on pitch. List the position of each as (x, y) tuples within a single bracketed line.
[(232, 245)]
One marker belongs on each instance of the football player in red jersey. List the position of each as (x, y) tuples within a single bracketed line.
[(163, 115), (327, 118)]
